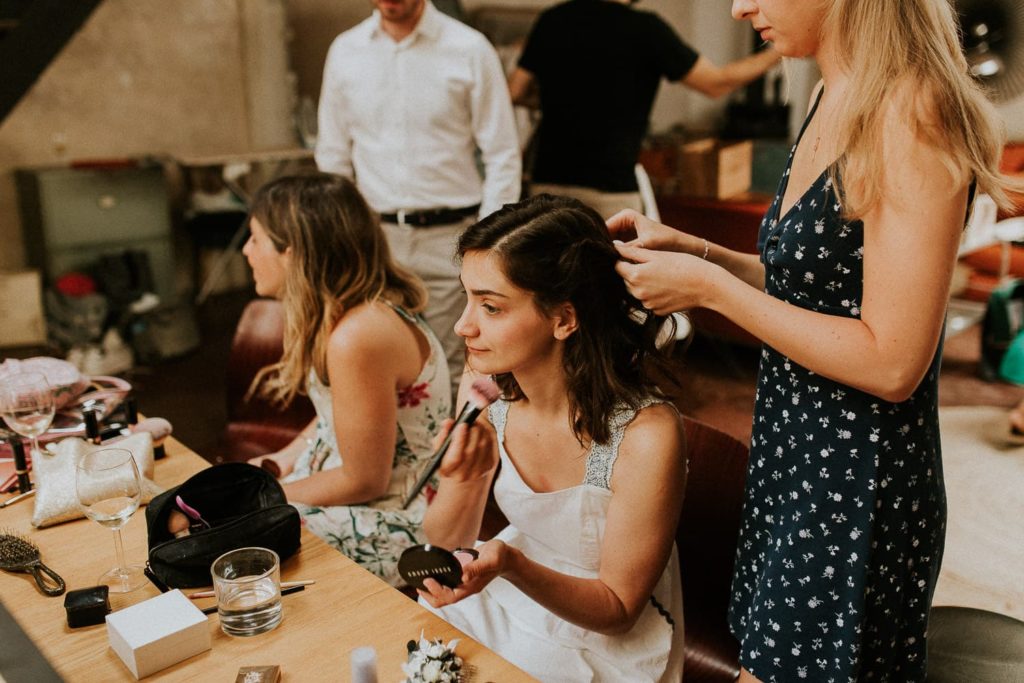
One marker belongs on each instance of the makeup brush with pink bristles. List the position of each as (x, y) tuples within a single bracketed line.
[(482, 393)]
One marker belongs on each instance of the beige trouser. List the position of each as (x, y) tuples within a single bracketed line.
[(430, 253), (605, 203)]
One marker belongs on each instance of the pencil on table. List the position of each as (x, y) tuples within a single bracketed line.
[(284, 585)]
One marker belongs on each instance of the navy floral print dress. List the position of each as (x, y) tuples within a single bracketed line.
[(844, 516)]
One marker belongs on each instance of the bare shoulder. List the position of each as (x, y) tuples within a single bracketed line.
[(915, 161), (911, 118), (369, 330), (656, 436)]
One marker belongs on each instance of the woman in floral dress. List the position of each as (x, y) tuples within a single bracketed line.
[(355, 342), (844, 518)]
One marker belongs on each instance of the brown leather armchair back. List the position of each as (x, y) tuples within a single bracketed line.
[(706, 540), (256, 427)]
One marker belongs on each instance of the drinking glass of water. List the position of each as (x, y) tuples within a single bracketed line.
[(247, 582), (109, 488), (26, 402)]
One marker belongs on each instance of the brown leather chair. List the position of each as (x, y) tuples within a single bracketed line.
[(706, 540), (256, 427)]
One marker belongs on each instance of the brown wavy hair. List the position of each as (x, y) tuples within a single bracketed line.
[(339, 259), (559, 250)]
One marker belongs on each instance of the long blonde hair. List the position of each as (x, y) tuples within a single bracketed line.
[(339, 259), (885, 43)]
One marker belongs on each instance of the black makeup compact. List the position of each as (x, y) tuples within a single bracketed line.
[(87, 606), (431, 562)]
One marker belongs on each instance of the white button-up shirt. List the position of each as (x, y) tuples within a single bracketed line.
[(405, 118)]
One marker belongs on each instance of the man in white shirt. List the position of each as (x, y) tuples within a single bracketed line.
[(408, 97)]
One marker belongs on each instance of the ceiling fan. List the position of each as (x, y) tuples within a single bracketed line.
[(992, 33)]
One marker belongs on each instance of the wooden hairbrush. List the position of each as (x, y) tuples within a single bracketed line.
[(18, 554)]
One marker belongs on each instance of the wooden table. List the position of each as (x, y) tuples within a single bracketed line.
[(347, 608)]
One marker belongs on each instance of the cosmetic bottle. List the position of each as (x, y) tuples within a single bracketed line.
[(92, 426), (20, 465), (364, 665)]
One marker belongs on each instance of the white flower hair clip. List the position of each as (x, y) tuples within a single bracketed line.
[(431, 661)]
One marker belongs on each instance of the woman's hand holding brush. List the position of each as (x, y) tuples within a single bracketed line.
[(459, 440)]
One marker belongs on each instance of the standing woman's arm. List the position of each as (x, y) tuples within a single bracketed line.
[(910, 242)]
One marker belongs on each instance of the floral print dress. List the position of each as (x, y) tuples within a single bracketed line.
[(375, 534), (844, 517)]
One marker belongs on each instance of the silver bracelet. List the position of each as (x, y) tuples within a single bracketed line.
[(707, 248)]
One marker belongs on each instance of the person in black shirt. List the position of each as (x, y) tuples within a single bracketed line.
[(596, 66)]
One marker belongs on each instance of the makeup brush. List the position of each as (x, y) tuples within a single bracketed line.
[(20, 496), (482, 393)]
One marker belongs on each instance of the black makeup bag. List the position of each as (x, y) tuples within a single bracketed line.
[(240, 506)]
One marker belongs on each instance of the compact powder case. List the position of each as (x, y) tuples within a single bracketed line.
[(427, 561)]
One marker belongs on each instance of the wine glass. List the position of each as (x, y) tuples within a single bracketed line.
[(26, 402), (109, 489)]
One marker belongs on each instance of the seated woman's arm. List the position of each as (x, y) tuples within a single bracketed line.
[(647, 496), (286, 457), (454, 516), (364, 361)]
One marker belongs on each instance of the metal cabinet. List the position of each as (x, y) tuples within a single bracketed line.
[(73, 216)]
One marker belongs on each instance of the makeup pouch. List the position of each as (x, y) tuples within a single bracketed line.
[(54, 475), (232, 505)]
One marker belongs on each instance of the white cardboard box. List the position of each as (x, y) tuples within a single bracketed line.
[(157, 633)]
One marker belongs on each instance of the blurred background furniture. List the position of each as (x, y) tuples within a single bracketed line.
[(967, 645), (706, 540), (73, 215), (255, 426)]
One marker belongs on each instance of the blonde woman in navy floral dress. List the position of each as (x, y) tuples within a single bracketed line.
[(844, 518)]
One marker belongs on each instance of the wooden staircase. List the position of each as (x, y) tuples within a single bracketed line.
[(32, 33)]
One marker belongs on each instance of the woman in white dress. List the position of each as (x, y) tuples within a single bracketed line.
[(355, 342), (584, 582)]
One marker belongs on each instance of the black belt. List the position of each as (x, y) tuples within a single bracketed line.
[(430, 217)]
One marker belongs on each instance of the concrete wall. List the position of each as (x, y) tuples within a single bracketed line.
[(188, 77), (207, 77)]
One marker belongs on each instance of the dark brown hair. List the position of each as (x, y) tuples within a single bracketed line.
[(559, 250)]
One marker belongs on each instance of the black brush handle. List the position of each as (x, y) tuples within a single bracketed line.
[(467, 416), (51, 584)]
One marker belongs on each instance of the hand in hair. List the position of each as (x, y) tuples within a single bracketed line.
[(638, 230), (664, 281)]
